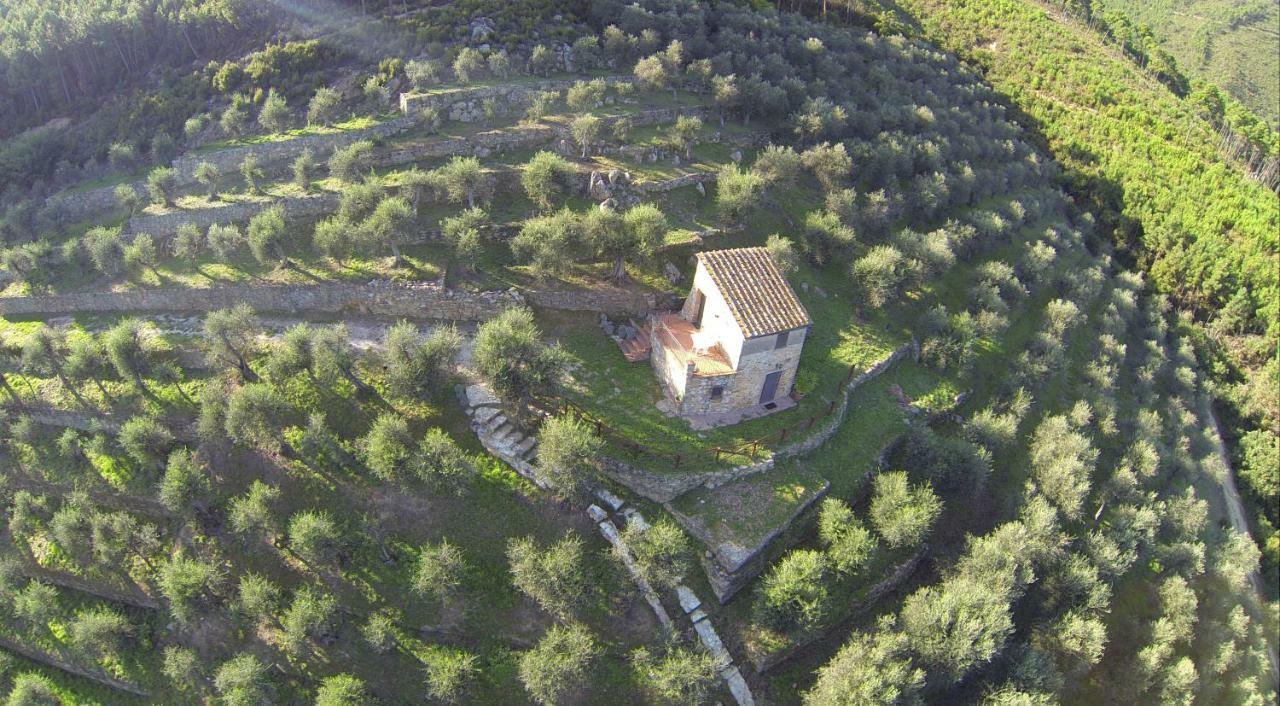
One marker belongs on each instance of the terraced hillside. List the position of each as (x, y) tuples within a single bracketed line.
[(303, 407)]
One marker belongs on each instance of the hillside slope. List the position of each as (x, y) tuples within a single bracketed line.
[(1234, 44)]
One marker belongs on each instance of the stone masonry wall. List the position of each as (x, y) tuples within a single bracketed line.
[(417, 301), (228, 160), (76, 206), (465, 102), (163, 225)]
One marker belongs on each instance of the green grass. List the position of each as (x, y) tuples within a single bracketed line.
[(362, 122)]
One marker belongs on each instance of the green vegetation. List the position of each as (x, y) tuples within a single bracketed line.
[(1232, 45), (998, 478)]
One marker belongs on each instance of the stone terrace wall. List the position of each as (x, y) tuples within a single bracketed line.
[(463, 104), (228, 160), (609, 301), (73, 207), (480, 145), (163, 225), (77, 206), (416, 301)]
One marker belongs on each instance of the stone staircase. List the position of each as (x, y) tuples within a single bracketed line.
[(499, 434), (636, 348)]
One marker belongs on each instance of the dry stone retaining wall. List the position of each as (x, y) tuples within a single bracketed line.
[(464, 104), (76, 206), (163, 225), (421, 301), (228, 160)]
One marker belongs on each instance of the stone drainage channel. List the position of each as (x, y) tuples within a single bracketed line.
[(503, 438)]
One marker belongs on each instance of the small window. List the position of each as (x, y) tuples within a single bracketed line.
[(717, 393), (781, 341)]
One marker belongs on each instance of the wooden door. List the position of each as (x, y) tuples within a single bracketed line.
[(770, 390)]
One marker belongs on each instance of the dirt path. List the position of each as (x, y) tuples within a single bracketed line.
[(1239, 521)]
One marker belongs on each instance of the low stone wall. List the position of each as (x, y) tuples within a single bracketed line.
[(78, 206), (74, 207), (663, 488), (163, 225), (832, 424), (676, 183), (414, 301), (730, 568)]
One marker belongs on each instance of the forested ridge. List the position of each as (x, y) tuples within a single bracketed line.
[(1029, 258)]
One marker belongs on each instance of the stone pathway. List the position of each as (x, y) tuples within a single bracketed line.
[(689, 601)]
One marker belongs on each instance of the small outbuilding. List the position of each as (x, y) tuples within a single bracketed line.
[(733, 350)]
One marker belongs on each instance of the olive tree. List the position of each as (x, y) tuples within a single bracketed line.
[(567, 456), (553, 576), (511, 357), (546, 179), (793, 596), (230, 337), (901, 513), (559, 664), (662, 552)]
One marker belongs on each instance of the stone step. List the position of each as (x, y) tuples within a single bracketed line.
[(495, 422), (524, 447), (484, 414), (508, 435)]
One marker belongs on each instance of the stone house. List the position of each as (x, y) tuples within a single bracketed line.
[(732, 351)]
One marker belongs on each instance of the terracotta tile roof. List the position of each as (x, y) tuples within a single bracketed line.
[(758, 295)]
